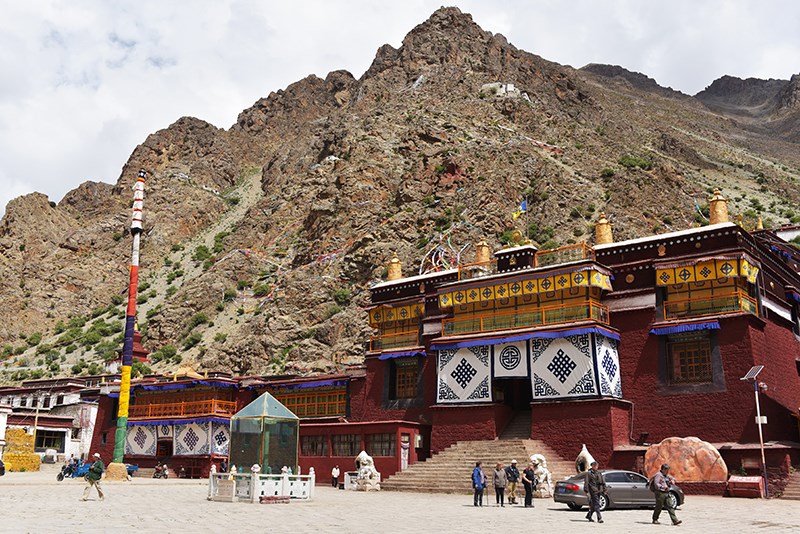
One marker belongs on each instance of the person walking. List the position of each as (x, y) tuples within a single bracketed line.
[(478, 484), (661, 482), (512, 475), (500, 482), (93, 477), (595, 485), (529, 483), (335, 476)]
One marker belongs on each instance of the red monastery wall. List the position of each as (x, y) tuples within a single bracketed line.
[(368, 398), (566, 426), (663, 411), (461, 422)]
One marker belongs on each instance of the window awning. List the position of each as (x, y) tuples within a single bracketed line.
[(403, 354), (547, 334), (685, 327), (303, 385)]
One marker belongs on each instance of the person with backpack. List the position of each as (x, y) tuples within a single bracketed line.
[(93, 477), (512, 475), (659, 485), (594, 485), (529, 481), (478, 484)]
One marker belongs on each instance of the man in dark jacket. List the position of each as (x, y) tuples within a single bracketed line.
[(512, 474), (93, 477), (594, 485), (478, 483)]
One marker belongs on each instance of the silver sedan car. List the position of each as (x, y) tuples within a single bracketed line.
[(625, 489)]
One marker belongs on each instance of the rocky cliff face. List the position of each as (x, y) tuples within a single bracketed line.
[(261, 240)]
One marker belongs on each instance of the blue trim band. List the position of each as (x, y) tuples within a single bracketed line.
[(304, 385), (175, 385), (529, 335), (390, 355), (690, 327)]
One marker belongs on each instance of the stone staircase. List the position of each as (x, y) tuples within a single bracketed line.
[(450, 470), (792, 489)]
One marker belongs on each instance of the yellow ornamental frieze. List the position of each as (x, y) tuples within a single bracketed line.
[(487, 293), (384, 314), (515, 289), (531, 286), (501, 291), (473, 295), (706, 270)]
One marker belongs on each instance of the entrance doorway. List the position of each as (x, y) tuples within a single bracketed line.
[(517, 393), (164, 449)]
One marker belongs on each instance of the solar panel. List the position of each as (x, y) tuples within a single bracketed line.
[(752, 373)]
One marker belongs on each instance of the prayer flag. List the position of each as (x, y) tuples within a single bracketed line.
[(521, 209)]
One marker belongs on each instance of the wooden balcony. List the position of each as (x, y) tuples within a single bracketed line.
[(525, 318), (182, 409), (394, 341), (737, 302)]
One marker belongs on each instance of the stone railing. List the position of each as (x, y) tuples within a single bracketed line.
[(250, 487)]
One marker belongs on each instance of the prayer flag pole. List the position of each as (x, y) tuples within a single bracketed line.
[(130, 325)]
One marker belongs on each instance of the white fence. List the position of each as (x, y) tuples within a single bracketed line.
[(250, 487)]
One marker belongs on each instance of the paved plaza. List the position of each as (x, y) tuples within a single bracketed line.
[(37, 503)]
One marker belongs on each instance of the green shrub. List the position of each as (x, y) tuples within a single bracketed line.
[(60, 327), (116, 236), (201, 253), (171, 290), (76, 322), (220, 337), (69, 349), (342, 296), (165, 353), (140, 369), (607, 172), (332, 310), (630, 162), (193, 339), (242, 284), (117, 299), (262, 290), (196, 320), (228, 295), (177, 247), (34, 339), (152, 312)]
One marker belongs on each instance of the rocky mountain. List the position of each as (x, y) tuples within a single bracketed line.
[(261, 240)]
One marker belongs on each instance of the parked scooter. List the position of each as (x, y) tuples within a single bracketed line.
[(161, 471), (67, 471)]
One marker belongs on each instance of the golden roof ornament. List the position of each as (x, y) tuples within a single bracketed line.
[(718, 208), (602, 231), (395, 268)]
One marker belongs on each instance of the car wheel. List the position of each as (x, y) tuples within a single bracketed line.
[(60, 477), (672, 500), (574, 506), (603, 502)]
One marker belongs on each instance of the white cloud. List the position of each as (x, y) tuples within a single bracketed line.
[(84, 82)]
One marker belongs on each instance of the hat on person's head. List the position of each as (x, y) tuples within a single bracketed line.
[(594, 463), (664, 466), (96, 455), (513, 461)]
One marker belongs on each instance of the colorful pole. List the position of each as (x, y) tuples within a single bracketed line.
[(130, 321)]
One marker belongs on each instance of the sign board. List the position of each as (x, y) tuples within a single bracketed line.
[(761, 420)]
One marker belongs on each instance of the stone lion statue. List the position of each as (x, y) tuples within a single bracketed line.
[(368, 477), (545, 488)]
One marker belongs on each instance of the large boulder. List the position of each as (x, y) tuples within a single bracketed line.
[(690, 459)]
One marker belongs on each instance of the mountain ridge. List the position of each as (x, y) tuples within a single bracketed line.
[(412, 157)]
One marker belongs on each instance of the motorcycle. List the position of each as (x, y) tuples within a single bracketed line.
[(71, 470), (161, 471)]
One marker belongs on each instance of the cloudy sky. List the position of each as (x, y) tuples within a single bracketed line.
[(83, 82)]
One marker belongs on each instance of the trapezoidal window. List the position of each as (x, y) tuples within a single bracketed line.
[(689, 359)]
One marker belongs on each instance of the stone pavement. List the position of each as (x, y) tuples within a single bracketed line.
[(37, 503)]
